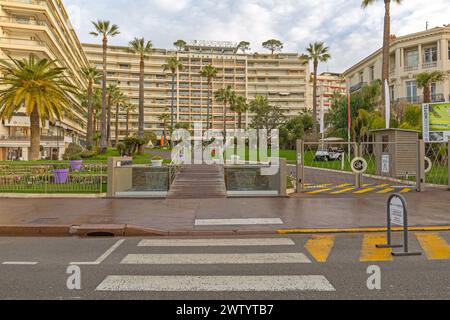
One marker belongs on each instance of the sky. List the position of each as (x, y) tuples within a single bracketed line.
[(350, 32)]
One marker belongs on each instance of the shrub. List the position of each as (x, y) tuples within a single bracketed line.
[(157, 158), (88, 154), (76, 157), (72, 150)]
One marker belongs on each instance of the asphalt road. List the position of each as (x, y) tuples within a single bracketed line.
[(281, 267)]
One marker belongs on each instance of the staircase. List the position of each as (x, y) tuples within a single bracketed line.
[(199, 182)]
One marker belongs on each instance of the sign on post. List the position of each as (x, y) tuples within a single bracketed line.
[(359, 165), (385, 161)]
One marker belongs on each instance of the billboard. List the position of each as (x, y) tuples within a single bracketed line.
[(436, 122)]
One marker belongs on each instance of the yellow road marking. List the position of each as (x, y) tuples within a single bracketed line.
[(367, 184), (319, 191), (360, 230), (406, 190), (370, 252), (320, 247), (343, 190), (434, 246), (344, 185), (364, 190), (382, 186), (386, 190)]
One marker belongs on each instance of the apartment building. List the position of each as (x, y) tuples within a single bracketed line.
[(41, 27), (412, 54), (281, 78), (327, 84)]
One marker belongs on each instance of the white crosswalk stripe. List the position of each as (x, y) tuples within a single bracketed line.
[(267, 282)]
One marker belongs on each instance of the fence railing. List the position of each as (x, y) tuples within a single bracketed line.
[(51, 178)]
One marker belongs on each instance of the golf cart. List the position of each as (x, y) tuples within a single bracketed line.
[(329, 154)]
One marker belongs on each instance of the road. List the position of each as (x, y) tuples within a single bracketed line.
[(271, 267)]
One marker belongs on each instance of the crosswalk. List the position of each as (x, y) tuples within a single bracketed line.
[(262, 252), (348, 188)]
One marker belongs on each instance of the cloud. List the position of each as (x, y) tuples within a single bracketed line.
[(350, 31)]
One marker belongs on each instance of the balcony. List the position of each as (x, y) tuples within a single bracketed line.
[(435, 98), (411, 68), (429, 65)]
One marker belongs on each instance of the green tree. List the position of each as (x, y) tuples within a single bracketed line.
[(226, 96), (266, 116), (386, 38), (210, 73), (412, 119), (128, 108), (425, 80), (316, 52), (40, 87), (240, 106), (143, 49), (104, 29), (173, 65), (180, 44), (164, 118), (291, 132), (92, 76), (121, 100), (273, 45), (113, 94), (244, 46)]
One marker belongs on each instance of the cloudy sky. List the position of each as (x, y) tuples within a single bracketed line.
[(351, 32)]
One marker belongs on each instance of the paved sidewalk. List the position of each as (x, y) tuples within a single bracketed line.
[(178, 216)]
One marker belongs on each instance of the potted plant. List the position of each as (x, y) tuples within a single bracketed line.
[(76, 162), (60, 174), (157, 161)]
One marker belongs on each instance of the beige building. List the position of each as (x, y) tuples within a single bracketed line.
[(281, 78), (412, 54), (42, 28), (327, 84)]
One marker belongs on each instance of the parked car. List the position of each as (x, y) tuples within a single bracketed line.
[(329, 154)]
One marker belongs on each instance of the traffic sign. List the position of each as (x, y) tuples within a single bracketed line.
[(359, 165)]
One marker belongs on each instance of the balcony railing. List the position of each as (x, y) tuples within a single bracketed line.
[(439, 97), (429, 65), (411, 68)]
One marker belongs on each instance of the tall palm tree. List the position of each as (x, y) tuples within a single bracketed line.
[(173, 65), (226, 96), (143, 49), (316, 52), (40, 87), (92, 76), (240, 106), (128, 108), (97, 108), (113, 94), (386, 38), (210, 73), (424, 81), (104, 29), (120, 101), (164, 118)]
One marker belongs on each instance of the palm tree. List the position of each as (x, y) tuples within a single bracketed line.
[(226, 96), (173, 65), (113, 93), (386, 38), (317, 52), (180, 44), (143, 49), (40, 87), (104, 29), (97, 108), (92, 76), (164, 118), (424, 81), (128, 108), (240, 106), (210, 73), (120, 101), (243, 46)]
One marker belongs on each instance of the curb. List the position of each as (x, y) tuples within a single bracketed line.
[(361, 230)]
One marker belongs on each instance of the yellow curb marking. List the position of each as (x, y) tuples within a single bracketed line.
[(364, 190), (434, 246), (382, 186), (406, 190), (344, 185), (343, 190), (320, 247), (319, 191), (370, 252), (359, 230), (386, 190)]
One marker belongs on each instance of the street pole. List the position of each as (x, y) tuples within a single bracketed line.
[(420, 176)]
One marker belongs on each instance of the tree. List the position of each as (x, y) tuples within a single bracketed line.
[(180, 44), (210, 73), (92, 76), (173, 65), (425, 80), (316, 52), (386, 39), (164, 118), (40, 87), (243, 46), (121, 100), (291, 132), (239, 106), (265, 115), (128, 108), (412, 119), (104, 29), (273, 45), (226, 96), (113, 94), (143, 49)]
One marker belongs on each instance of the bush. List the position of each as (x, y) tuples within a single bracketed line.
[(72, 150), (88, 154), (76, 157)]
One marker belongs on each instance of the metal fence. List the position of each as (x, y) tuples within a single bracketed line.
[(52, 178), (437, 163)]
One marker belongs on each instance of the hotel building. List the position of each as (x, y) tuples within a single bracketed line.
[(327, 84), (281, 78), (41, 27), (425, 51)]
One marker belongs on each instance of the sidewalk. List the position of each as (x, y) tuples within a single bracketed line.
[(177, 217)]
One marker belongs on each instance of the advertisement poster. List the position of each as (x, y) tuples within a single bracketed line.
[(436, 122)]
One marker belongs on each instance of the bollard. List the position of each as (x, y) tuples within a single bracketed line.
[(300, 176)]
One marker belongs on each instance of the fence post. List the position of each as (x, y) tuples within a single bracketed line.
[(283, 177), (358, 176), (300, 175), (448, 162), (420, 177)]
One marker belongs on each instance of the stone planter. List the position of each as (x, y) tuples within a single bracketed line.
[(75, 165), (61, 176), (157, 163)]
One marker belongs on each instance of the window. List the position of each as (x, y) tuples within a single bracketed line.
[(372, 73), (385, 145), (449, 50), (430, 55), (361, 77), (392, 92), (411, 91), (412, 58)]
